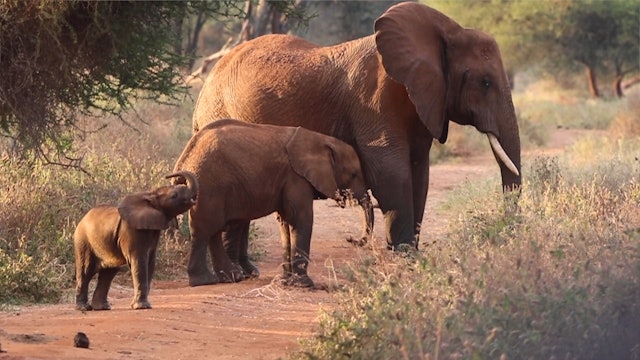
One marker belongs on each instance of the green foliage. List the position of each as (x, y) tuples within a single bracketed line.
[(60, 60), (558, 278), (557, 35)]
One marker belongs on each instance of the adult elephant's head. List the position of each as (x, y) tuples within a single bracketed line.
[(451, 73)]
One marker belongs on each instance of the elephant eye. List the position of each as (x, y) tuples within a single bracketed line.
[(486, 82)]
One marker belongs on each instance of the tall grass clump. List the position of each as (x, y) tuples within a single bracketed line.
[(558, 277), (40, 204)]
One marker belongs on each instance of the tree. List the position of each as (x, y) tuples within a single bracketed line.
[(602, 36), (624, 48), (63, 59), (260, 17)]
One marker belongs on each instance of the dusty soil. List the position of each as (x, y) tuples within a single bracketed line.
[(252, 319)]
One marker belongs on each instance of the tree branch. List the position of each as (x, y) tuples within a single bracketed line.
[(209, 60)]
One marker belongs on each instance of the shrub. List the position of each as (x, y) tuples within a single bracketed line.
[(41, 204), (559, 278)]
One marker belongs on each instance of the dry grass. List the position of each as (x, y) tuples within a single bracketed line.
[(559, 278)]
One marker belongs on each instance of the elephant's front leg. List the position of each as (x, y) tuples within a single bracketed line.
[(141, 280), (300, 223), (285, 237), (420, 182), (197, 268), (392, 187), (367, 221)]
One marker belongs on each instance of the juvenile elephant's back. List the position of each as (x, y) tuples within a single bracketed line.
[(228, 145)]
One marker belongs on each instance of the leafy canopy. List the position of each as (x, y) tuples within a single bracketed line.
[(61, 59)]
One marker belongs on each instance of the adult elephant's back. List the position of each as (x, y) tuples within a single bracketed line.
[(267, 79)]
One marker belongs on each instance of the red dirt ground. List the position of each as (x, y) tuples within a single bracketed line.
[(248, 320)]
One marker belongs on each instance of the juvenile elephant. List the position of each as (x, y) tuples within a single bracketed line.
[(247, 171), (389, 95), (108, 237)]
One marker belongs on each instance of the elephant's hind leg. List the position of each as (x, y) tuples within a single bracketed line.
[(249, 269), (236, 243), (84, 274), (225, 268)]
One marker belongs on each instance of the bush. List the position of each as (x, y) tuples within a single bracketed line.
[(41, 204), (559, 278)]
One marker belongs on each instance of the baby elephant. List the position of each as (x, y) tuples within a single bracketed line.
[(247, 171), (108, 237)]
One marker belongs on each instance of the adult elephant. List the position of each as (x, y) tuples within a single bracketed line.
[(388, 95)]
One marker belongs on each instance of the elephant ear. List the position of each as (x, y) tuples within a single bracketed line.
[(312, 158), (411, 39), (138, 211)]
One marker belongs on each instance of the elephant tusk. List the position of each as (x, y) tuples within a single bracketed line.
[(497, 148)]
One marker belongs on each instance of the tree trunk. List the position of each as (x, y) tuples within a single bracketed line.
[(593, 84), (617, 86), (192, 41)]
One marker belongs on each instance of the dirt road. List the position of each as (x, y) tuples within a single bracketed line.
[(248, 320)]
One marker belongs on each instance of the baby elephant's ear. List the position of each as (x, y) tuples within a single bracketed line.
[(311, 157), (137, 211)]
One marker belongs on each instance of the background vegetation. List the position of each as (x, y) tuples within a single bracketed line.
[(558, 278)]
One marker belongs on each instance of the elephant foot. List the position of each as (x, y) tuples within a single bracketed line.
[(231, 275), (207, 278), (294, 280), (83, 307), (103, 305), (249, 270), (139, 305)]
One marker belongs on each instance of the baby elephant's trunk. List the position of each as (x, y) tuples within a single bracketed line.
[(189, 178)]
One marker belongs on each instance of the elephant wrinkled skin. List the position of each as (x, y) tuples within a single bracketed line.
[(108, 237), (247, 171), (388, 95)]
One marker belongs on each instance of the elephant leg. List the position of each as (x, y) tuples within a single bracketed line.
[(105, 277), (300, 224), (152, 265), (225, 269), (249, 269), (236, 244), (420, 182), (285, 237), (394, 192), (367, 221), (140, 277), (197, 268), (84, 274), (229, 243)]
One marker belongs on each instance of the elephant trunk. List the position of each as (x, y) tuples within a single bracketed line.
[(502, 155), (191, 179), (507, 154)]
